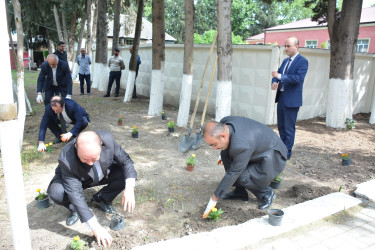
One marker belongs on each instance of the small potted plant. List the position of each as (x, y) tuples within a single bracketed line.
[(49, 147), (215, 214), (275, 183), (163, 116), (171, 126), (350, 123), (77, 243), (275, 216), (345, 160), (42, 200), (119, 121), (190, 163), (135, 132)]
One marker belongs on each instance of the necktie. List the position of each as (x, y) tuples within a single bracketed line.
[(96, 175), (281, 85), (63, 123)]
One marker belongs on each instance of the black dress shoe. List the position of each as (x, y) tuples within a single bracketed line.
[(102, 204), (58, 140), (237, 194), (267, 200), (106, 95), (72, 219)]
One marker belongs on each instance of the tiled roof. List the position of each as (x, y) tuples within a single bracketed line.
[(367, 16), (256, 37)]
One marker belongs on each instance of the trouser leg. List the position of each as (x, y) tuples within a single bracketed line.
[(55, 129), (118, 77), (57, 192), (81, 82), (88, 83), (115, 184), (110, 81), (290, 119), (280, 118)]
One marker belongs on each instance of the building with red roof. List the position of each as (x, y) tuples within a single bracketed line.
[(313, 35)]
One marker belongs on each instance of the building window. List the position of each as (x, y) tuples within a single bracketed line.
[(129, 41), (362, 45), (311, 44)]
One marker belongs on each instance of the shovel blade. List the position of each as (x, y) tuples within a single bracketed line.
[(185, 144), (197, 139)]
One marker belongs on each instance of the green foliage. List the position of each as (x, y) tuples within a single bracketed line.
[(350, 123), (324, 45), (29, 156), (208, 38), (215, 214), (77, 243), (278, 177), (135, 130), (191, 160), (41, 195), (171, 124)]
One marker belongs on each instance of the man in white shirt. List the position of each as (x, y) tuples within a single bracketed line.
[(115, 64)]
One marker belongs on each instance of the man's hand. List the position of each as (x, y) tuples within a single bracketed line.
[(274, 86), (102, 236), (68, 97), (128, 199), (41, 146), (275, 74), (66, 136), (219, 161), (211, 204), (39, 98)]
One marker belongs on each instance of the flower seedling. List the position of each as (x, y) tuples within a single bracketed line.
[(77, 243), (120, 119), (278, 178), (191, 160), (344, 156), (41, 195), (49, 147), (170, 124), (215, 214), (135, 130), (163, 116), (350, 123)]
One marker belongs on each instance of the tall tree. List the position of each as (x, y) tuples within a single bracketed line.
[(158, 58), (88, 28), (343, 28), (224, 52), (20, 72), (187, 77), (101, 58), (58, 25), (116, 25), (134, 56), (66, 39)]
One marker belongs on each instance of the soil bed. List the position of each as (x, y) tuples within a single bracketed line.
[(169, 199)]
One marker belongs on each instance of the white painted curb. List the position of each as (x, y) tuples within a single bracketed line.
[(366, 190)]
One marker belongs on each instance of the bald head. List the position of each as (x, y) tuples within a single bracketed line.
[(216, 134), (88, 146), (52, 60)]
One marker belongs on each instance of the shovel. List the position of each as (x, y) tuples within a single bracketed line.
[(198, 137), (186, 141)]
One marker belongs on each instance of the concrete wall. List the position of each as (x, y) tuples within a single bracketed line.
[(251, 77)]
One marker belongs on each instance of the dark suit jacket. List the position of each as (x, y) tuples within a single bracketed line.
[(249, 141), (76, 176), (74, 111), (293, 81), (63, 77), (62, 56)]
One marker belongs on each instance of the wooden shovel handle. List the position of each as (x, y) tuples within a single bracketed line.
[(208, 92), (202, 82)]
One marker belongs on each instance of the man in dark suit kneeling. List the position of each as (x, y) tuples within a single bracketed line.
[(253, 155), (93, 159), (57, 115)]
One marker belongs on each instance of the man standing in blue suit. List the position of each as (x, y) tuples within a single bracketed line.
[(288, 81), (61, 112), (54, 79)]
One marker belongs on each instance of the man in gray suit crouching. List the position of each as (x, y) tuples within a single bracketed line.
[(253, 155), (93, 159)]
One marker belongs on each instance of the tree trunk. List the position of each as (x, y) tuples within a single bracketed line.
[(224, 52), (20, 73), (79, 45), (9, 132), (116, 25), (187, 78), (73, 27), (57, 20), (64, 25), (134, 57), (101, 70), (343, 32), (10, 36), (158, 58), (88, 29), (94, 22)]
